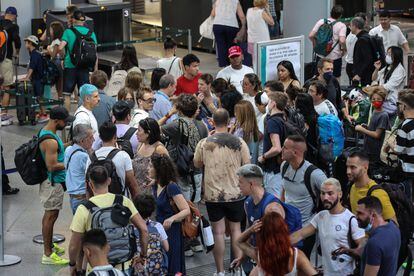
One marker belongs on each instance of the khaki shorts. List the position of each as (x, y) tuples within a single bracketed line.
[(51, 196), (6, 70)]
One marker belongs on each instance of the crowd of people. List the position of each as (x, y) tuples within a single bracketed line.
[(140, 158)]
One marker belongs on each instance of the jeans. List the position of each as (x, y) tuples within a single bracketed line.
[(274, 30), (74, 203), (273, 183)]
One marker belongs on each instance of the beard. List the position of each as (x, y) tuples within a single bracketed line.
[(363, 224), (330, 205), (59, 127)]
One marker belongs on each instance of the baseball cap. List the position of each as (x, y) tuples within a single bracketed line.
[(78, 15), (61, 113), (11, 10), (87, 90), (32, 39), (250, 170), (235, 51)]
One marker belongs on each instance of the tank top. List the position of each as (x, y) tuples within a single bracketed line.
[(257, 29), (226, 13), (57, 176), (293, 272)]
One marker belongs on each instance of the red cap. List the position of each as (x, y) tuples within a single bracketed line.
[(235, 51)]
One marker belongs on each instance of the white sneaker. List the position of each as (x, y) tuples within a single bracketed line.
[(219, 274), (6, 122)]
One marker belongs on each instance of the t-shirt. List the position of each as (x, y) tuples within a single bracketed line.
[(75, 170), (296, 193), (121, 129), (234, 77), (391, 37), (81, 221), (358, 193), (138, 115), (257, 28), (351, 39), (273, 125), (379, 120), (103, 270), (222, 154), (121, 160), (69, 37), (339, 30), (405, 146), (326, 107), (85, 116), (103, 111), (187, 86), (171, 66), (36, 64), (382, 249), (161, 107), (13, 37), (333, 233)]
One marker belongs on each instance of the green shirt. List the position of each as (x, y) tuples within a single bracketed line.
[(69, 37), (57, 176)]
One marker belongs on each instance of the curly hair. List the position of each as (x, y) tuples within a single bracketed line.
[(165, 171)]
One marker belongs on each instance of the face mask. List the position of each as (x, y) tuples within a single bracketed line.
[(388, 59), (368, 228), (328, 76), (377, 104)]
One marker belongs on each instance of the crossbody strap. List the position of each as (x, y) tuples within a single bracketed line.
[(70, 157), (169, 69)]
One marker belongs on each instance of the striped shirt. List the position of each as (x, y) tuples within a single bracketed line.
[(405, 146)]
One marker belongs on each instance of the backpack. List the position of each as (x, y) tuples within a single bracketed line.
[(157, 259), (324, 38), (331, 137), (361, 111), (116, 82), (114, 221), (293, 217), (317, 204), (70, 137), (50, 72), (116, 186), (124, 142), (29, 160), (295, 122), (83, 54), (183, 155), (3, 44), (378, 49)]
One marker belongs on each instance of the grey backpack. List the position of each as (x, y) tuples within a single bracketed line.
[(114, 221)]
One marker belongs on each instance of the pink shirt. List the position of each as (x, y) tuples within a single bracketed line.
[(339, 30)]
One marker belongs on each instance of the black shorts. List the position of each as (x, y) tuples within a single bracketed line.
[(38, 88), (74, 77), (233, 211)]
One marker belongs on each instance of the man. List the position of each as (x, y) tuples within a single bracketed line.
[(163, 104), (391, 34), (96, 249), (99, 182), (295, 170), (234, 73), (332, 226), (90, 99), (73, 76), (357, 172), (188, 82), (275, 7), (221, 191), (405, 138), (273, 138), (69, 14), (103, 111), (273, 86), (122, 113), (380, 256), (363, 53), (51, 190), (14, 44), (122, 161), (76, 157), (339, 37), (351, 39), (319, 94), (145, 100)]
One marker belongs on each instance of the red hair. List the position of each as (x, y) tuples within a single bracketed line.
[(273, 244)]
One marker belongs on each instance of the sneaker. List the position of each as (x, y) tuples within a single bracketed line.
[(58, 250), (187, 248), (219, 274), (196, 245), (54, 259), (6, 122), (43, 118)]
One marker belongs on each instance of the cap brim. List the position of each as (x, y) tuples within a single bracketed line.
[(235, 55)]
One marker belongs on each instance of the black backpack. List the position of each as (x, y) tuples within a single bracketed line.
[(50, 72), (295, 122), (116, 185), (124, 142), (377, 45), (83, 54), (184, 156), (29, 161)]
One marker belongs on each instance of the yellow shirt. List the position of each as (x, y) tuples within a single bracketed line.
[(81, 221), (358, 193)]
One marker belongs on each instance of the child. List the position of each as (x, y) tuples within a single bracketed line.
[(35, 72), (156, 263)]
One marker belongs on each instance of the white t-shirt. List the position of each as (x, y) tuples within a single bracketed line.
[(234, 77), (339, 30), (351, 39), (333, 233), (249, 98), (138, 115), (173, 63), (394, 85), (226, 13), (326, 107), (257, 28), (85, 116), (121, 160), (392, 37)]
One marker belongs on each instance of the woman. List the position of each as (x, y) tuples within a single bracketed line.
[(226, 26), (149, 138), (156, 75), (246, 127), (218, 86), (167, 192), (274, 254), (286, 74), (171, 63), (251, 86), (129, 60), (391, 77), (208, 101), (229, 99), (134, 81), (56, 31), (127, 94), (258, 22)]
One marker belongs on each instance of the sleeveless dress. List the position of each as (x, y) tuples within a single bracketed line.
[(293, 272), (141, 165)]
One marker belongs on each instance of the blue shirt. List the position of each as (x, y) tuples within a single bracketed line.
[(75, 170), (382, 249), (273, 125), (36, 64), (56, 176), (162, 106)]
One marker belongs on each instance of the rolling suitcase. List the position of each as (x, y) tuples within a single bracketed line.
[(25, 103)]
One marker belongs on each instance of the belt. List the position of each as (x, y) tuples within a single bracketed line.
[(80, 196)]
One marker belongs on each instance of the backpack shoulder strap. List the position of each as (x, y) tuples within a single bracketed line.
[(373, 188), (112, 154), (349, 234), (119, 199), (89, 205), (129, 133), (76, 32), (307, 178), (46, 137), (70, 157), (284, 168), (172, 62), (93, 157)]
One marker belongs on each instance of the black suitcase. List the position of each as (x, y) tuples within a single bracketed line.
[(25, 103)]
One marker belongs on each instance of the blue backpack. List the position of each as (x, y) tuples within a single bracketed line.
[(293, 217), (331, 137)]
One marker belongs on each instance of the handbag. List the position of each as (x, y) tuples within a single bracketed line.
[(389, 158), (206, 28)]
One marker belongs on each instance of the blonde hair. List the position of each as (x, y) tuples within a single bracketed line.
[(380, 91), (133, 80), (260, 3), (246, 120)]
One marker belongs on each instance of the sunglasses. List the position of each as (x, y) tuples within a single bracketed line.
[(150, 100)]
